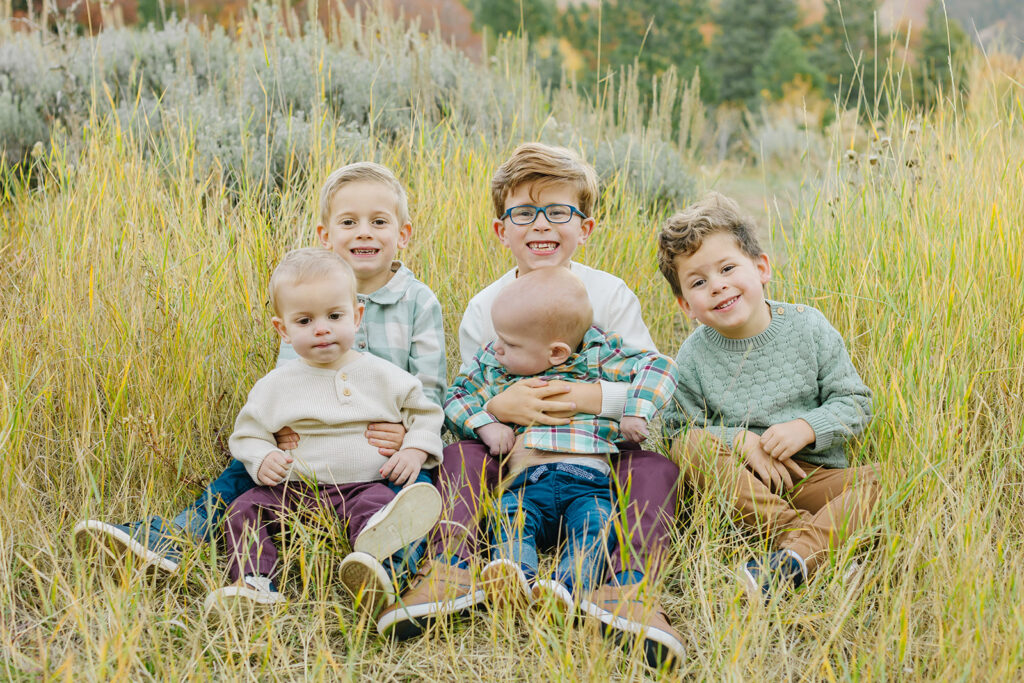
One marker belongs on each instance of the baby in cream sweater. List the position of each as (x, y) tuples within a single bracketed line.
[(328, 395)]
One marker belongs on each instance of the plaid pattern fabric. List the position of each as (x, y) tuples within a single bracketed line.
[(601, 357), (401, 324)]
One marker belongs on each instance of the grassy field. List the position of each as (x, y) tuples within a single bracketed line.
[(135, 320)]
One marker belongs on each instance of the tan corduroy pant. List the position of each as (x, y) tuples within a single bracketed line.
[(820, 512)]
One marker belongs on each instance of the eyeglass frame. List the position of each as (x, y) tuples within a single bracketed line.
[(573, 211)]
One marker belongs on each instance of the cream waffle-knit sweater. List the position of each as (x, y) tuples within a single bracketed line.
[(330, 410)]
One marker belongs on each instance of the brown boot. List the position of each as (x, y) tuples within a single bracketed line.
[(627, 614), (437, 591)]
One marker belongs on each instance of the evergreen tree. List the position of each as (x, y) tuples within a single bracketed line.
[(942, 58), (536, 17), (745, 31), (783, 62), (845, 50)]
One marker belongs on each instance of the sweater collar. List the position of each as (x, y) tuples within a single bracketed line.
[(394, 290), (750, 343)]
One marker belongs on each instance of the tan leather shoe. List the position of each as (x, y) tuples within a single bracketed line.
[(436, 592), (627, 613)]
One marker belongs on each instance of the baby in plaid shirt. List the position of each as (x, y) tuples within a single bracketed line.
[(557, 476)]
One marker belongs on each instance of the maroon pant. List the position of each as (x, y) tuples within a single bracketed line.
[(256, 515), (644, 483)]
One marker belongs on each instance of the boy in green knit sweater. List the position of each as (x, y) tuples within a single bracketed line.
[(767, 398)]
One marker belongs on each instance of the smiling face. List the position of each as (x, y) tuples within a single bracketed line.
[(542, 243), (723, 288), (363, 227), (319, 318)]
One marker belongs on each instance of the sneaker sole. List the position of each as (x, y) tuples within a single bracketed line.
[(234, 599), (546, 592), (659, 646), (751, 588), (406, 519), (506, 585), (411, 621), (117, 544), (371, 590)]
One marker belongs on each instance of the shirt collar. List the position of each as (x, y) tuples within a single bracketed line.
[(395, 289)]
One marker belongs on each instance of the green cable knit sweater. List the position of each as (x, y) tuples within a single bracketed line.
[(797, 368)]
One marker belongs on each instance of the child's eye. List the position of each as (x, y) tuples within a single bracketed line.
[(335, 316), (348, 222), (380, 221), (302, 321), (696, 283), (726, 269)]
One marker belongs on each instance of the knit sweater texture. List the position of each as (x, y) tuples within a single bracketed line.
[(797, 368), (330, 410)]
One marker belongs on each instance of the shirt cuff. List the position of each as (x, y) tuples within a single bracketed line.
[(479, 420), (613, 399)]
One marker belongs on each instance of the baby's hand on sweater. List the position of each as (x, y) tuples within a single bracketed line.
[(404, 466), (386, 436), (499, 438), (633, 428), (274, 468)]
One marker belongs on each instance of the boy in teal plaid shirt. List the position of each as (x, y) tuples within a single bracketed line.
[(364, 218), (557, 475)]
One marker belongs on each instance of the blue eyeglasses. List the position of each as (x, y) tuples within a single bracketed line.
[(525, 214)]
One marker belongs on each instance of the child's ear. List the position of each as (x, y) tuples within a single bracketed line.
[(499, 230), (687, 311), (279, 326), (358, 313), (323, 234), (764, 268), (586, 227), (404, 235), (558, 353)]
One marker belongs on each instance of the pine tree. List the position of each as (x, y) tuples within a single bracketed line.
[(942, 58), (783, 62), (745, 31), (846, 51)]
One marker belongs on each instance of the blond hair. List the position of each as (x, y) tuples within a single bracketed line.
[(538, 164), (303, 265), (685, 232), (363, 171), (550, 301)]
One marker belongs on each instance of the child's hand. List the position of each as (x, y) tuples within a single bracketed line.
[(404, 466), (287, 439), (274, 468), (634, 428), (786, 439), (498, 437), (776, 475), (531, 401), (386, 436)]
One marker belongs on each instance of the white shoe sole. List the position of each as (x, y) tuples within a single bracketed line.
[(425, 613), (117, 544), (235, 597), (406, 519), (506, 584), (649, 634), (365, 579), (546, 590)]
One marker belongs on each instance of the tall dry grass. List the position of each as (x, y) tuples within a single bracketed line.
[(133, 293)]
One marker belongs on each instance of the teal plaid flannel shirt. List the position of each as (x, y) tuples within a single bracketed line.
[(602, 356), (402, 324)]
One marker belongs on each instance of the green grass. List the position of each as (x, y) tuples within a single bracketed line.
[(135, 321)]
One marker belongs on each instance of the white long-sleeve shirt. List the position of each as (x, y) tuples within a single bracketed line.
[(616, 309), (330, 410)]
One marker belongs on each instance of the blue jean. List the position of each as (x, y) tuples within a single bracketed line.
[(202, 519), (547, 501)]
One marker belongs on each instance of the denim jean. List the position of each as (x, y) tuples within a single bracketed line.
[(549, 503), (202, 519)]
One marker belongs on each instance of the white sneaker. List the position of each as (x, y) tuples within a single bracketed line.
[(254, 590), (406, 519), (364, 577), (506, 584), (554, 593)]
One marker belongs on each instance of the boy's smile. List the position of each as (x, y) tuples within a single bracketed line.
[(364, 229), (723, 288), (542, 243)]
